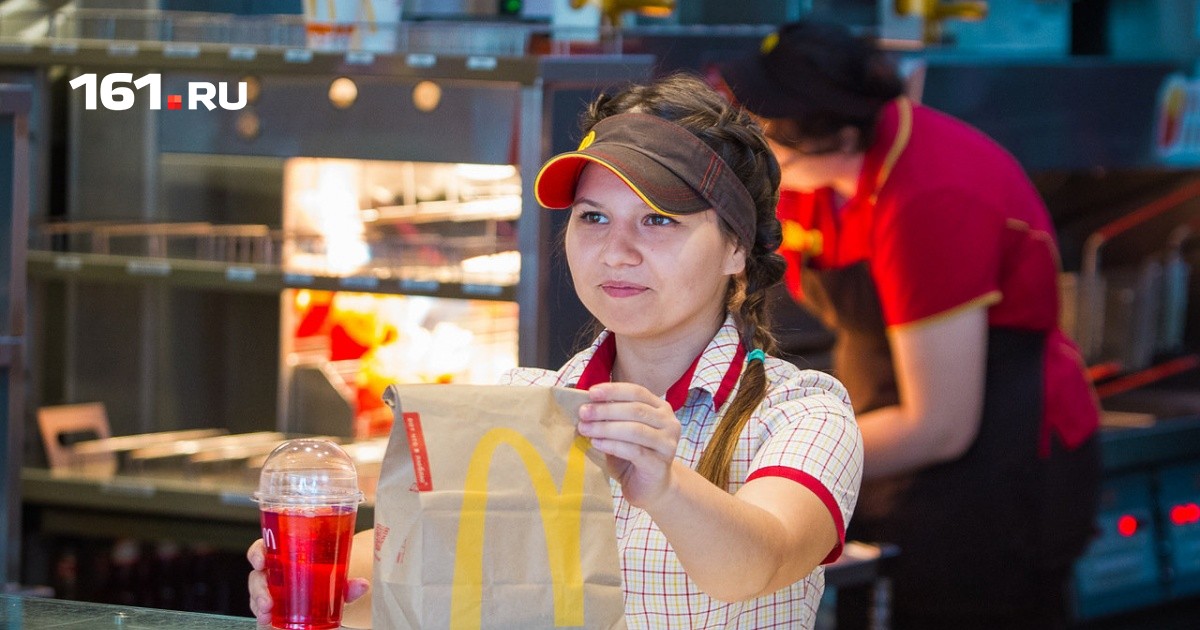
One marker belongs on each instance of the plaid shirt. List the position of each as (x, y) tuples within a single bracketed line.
[(804, 430)]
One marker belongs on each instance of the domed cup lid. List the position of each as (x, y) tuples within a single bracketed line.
[(308, 471)]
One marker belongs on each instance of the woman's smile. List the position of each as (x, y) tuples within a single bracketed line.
[(622, 289)]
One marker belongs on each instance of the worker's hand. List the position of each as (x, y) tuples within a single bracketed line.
[(260, 595), (638, 432)]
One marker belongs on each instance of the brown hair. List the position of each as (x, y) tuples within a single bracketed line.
[(689, 102)]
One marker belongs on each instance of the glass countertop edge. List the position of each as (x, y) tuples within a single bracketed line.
[(35, 613)]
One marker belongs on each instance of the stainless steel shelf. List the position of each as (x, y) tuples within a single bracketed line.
[(252, 278), (266, 60)]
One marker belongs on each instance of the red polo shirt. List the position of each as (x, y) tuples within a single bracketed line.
[(946, 219)]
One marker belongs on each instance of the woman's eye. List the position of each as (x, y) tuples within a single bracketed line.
[(659, 219), (591, 216)]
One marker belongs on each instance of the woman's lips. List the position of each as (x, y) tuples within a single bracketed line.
[(622, 290)]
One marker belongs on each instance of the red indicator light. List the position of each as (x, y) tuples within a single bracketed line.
[(1127, 526), (1185, 514)]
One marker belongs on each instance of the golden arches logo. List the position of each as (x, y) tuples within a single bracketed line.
[(560, 511), (587, 140), (769, 43)]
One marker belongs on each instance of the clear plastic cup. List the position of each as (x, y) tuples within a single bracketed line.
[(308, 496)]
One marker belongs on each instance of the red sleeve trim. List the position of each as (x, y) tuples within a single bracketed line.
[(816, 487)]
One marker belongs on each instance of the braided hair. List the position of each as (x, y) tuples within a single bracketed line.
[(690, 103)]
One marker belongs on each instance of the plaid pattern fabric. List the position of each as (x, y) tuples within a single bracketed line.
[(803, 430)]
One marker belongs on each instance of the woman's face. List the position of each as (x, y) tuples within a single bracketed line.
[(806, 171), (641, 273), (808, 164)]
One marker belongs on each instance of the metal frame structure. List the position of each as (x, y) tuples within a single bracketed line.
[(15, 102)]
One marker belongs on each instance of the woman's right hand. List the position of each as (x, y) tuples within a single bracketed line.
[(260, 595)]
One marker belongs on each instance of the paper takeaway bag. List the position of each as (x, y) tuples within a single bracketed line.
[(491, 514)]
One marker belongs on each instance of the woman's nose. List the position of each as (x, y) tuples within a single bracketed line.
[(619, 247)]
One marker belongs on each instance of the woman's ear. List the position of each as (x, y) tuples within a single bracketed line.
[(735, 261)]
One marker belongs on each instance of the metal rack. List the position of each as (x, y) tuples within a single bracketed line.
[(125, 232), (14, 209)]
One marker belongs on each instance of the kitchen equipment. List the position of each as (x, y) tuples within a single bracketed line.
[(120, 447), (193, 240), (16, 196), (1149, 375), (173, 455), (63, 425), (1131, 309), (1127, 315), (1176, 274), (612, 10), (1179, 513), (934, 12), (1121, 569)]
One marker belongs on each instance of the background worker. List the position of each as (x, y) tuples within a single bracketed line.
[(925, 247)]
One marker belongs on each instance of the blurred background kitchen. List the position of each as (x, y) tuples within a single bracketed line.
[(183, 287)]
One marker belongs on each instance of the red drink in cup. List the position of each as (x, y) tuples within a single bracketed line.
[(308, 493), (308, 551)]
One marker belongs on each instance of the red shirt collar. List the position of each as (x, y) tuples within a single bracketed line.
[(892, 135), (599, 370)]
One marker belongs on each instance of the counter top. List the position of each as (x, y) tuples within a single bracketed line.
[(34, 613), (220, 513), (1162, 441), (167, 507)]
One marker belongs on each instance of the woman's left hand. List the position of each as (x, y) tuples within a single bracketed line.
[(638, 432)]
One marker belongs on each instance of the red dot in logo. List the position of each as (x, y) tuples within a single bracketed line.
[(174, 101)]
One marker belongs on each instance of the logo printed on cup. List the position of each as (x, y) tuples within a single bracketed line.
[(270, 525)]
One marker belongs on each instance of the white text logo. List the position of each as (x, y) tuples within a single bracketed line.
[(118, 91)]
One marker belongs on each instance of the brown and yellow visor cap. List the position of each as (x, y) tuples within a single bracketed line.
[(671, 169)]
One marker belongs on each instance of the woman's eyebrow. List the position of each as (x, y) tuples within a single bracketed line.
[(585, 202)]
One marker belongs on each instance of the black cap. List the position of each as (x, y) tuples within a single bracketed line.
[(806, 66)]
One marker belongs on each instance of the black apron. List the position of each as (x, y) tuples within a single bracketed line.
[(974, 531)]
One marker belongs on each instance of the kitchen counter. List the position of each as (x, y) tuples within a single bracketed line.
[(33, 613), (221, 513), (1159, 442), (167, 507)]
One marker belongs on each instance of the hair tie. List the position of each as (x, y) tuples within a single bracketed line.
[(756, 355)]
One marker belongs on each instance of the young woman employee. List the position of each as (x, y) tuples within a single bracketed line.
[(671, 245), (926, 248)]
